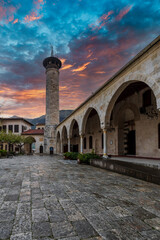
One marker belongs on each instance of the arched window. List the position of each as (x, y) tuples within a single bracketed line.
[(84, 143), (102, 142), (147, 98), (159, 135), (90, 142)]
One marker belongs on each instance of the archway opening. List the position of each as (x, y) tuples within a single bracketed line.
[(41, 149), (92, 132), (75, 138), (58, 143), (64, 140), (133, 120), (29, 145)]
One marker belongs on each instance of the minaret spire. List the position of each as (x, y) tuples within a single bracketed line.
[(52, 65)]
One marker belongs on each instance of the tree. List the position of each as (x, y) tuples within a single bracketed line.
[(20, 141)]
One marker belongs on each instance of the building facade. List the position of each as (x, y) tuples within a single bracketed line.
[(36, 139), (16, 126), (122, 117)]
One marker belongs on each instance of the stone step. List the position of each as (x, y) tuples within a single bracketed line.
[(140, 171)]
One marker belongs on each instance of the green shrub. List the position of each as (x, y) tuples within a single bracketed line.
[(71, 155), (85, 158), (3, 153), (12, 153)]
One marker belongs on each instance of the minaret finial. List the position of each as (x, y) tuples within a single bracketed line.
[(51, 50)]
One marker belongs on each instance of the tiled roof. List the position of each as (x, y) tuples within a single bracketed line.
[(17, 118), (34, 132)]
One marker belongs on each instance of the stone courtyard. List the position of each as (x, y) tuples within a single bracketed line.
[(43, 197)]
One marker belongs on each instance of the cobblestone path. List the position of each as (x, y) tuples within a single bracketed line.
[(49, 198)]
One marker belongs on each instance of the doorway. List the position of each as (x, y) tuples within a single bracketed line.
[(132, 142), (41, 149)]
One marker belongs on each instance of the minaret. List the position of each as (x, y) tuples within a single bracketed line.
[(52, 65)]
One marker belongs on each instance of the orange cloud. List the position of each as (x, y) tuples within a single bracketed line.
[(29, 94), (100, 72), (62, 88), (32, 17), (21, 95), (7, 14), (123, 12), (11, 18), (67, 66), (15, 21), (101, 21), (90, 54), (22, 102), (63, 60), (2, 12), (39, 4), (81, 68)]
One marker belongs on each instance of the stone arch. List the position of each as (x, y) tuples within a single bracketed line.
[(119, 88), (130, 120), (58, 142), (91, 131), (64, 139), (130, 106), (74, 136), (84, 121), (71, 127), (28, 147)]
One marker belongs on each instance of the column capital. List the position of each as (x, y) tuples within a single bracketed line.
[(104, 130), (81, 135)]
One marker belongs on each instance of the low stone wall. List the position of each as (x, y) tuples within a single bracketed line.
[(130, 169)]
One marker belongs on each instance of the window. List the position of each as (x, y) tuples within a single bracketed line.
[(159, 135), (102, 142), (147, 98), (84, 143), (16, 128), (10, 128), (4, 128), (90, 142), (16, 149), (0, 128)]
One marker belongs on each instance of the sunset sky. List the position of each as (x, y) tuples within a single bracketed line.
[(93, 39)]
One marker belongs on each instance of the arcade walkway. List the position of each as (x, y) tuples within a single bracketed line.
[(50, 198)]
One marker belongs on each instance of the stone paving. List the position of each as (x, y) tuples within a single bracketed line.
[(43, 198)]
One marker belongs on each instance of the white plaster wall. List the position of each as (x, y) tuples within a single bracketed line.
[(16, 122)]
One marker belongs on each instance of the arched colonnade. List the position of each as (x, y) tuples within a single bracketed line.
[(124, 122)]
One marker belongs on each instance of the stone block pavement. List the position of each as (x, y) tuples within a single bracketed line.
[(44, 198)]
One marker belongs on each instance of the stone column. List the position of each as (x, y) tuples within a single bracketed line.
[(104, 143), (61, 146), (69, 144), (81, 143)]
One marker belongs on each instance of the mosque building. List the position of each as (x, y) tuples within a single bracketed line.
[(121, 118)]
